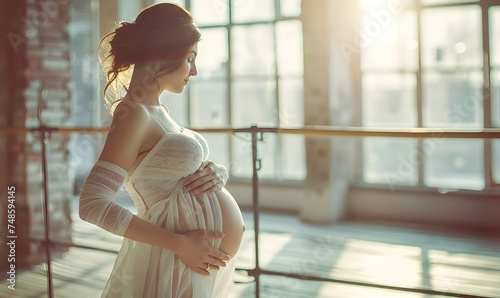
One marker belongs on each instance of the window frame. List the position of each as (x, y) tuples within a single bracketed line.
[(491, 187), (278, 17)]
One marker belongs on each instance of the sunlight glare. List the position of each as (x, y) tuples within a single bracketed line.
[(380, 262), (373, 4), (460, 47)]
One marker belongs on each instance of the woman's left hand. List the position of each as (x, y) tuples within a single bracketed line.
[(208, 178)]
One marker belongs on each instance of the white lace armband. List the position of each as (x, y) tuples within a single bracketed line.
[(96, 200)]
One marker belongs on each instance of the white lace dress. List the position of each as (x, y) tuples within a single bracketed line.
[(155, 184)]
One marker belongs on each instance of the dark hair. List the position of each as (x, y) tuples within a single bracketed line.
[(161, 33)]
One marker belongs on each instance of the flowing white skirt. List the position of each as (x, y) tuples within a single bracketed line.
[(144, 270)]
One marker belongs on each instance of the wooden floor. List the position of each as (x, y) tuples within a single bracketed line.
[(362, 252)]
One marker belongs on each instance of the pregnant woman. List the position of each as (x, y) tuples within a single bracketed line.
[(184, 240)]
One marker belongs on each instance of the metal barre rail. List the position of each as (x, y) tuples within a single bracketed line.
[(309, 130)]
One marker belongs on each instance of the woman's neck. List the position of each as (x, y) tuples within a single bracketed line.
[(142, 87)]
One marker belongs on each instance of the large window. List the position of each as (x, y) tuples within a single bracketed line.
[(425, 64), (250, 71)]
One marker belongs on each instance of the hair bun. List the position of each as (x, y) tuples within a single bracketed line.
[(124, 43)]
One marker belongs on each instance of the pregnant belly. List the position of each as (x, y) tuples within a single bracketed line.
[(232, 223)]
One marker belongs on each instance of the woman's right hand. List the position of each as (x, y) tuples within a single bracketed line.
[(195, 252)]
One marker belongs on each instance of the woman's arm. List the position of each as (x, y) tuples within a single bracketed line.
[(123, 142), (96, 206)]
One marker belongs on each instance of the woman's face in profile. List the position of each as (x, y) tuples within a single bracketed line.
[(177, 80)]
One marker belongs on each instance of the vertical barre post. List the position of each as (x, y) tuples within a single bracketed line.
[(255, 193), (47, 242)]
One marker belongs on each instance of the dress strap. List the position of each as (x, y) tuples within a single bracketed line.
[(157, 122), (181, 128)]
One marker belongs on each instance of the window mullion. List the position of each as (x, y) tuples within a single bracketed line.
[(487, 144), (228, 82), (419, 103), (278, 167), (277, 10), (486, 67)]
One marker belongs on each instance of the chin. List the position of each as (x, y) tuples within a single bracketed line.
[(177, 91)]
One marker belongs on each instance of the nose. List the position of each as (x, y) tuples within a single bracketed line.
[(193, 71)]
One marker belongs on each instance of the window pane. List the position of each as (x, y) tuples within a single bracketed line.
[(389, 41), (128, 10), (180, 2), (496, 161), (252, 50), (85, 96), (390, 161), (453, 100), (84, 85), (433, 2), (208, 103), (267, 151), (218, 148), (210, 12), (291, 8), (252, 11), (451, 37), (454, 164), (290, 48), (291, 97), (389, 100), (393, 7), (293, 163), (242, 156), (292, 159), (495, 35), (495, 98), (177, 106), (212, 57), (253, 102)]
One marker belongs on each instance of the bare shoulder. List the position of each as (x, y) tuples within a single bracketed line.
[(126, 134)]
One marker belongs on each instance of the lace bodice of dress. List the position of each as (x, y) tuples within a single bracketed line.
[(160, 173)]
